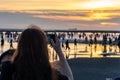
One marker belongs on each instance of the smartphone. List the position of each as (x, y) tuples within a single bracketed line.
[(49, 37)]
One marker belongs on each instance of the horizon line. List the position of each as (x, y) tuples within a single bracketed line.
[(60, 30)]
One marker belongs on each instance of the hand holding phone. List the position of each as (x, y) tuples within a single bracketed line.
[(51, 37)]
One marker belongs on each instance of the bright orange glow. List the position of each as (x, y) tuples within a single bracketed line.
[(58, 4), (100, 4)]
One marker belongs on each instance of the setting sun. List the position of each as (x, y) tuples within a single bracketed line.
[(99, 4)]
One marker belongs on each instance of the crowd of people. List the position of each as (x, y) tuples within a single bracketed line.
[(66, 38), (9, 37)]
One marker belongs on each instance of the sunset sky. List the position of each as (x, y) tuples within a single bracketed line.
[(61, 14)]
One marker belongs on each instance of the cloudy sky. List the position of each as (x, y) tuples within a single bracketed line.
[(61, 14)]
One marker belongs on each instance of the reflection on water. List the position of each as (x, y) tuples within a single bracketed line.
[(82, 50)]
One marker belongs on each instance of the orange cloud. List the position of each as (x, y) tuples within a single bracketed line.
[(85, 15), (109, 24)]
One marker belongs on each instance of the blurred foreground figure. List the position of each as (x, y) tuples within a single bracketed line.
[(31, 61)]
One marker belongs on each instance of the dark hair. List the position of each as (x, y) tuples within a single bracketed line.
[(31, 60)]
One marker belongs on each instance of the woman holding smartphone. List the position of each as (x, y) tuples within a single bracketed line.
[(31, 61)]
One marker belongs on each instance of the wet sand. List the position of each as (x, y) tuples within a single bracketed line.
[(95, 68)]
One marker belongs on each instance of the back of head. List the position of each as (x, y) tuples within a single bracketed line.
[(31, 60)]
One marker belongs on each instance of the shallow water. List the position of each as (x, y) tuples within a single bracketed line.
[(81, 50), (89, 51)]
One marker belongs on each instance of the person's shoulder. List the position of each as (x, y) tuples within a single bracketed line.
[(7, 64), (61, 76)]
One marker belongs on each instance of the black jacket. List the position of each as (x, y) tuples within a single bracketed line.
[(7, 72)]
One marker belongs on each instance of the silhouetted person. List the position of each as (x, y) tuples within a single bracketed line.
[(104, 39), (119, 43), (91, 41), (75, 43), (62, 42), (79, 36), (2, 44), (95, 40), (110, 41), (67, 45), (86, 39), (11, 43)]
